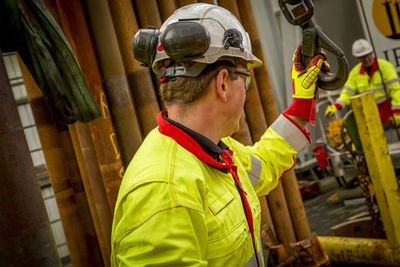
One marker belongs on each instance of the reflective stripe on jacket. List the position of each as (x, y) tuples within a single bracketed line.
[(175, 210), (359, 81)]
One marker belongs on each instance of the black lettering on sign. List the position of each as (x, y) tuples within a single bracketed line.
[(396, 55), (386, 54), (386, 15)]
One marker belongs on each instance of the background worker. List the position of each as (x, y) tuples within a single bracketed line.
[(190, 195), (367, 76)]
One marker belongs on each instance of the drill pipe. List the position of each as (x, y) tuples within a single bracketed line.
[(182, 3), (166, 8), (26, 237), (211, 2), (263, 82), (105, 143), (281, 217), (95, 145), (61, 165), (231, 6), (126, 26), (122, 104), (95, 191), (148, 14), (89, 192)]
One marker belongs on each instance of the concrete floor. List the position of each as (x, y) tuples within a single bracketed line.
[(323, 215)]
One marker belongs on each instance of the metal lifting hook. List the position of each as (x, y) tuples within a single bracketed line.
[(313, 40)]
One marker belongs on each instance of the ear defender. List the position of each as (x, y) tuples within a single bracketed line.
[(144, 45), (181, 41), (185, 40)]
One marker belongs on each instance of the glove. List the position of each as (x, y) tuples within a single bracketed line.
[(330, 110), (396, 120), (305, 91), (304, 79)]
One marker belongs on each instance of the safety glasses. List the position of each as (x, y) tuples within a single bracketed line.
[(248, 77)]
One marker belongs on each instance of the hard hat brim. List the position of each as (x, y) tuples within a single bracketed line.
[(364, 53)]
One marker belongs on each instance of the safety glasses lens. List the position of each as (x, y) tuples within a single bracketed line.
[(248, 81), (247, 78)]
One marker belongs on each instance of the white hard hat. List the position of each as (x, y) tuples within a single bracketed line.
[(361, 47), (203, 33)]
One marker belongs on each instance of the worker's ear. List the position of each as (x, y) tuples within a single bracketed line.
[(222, 85)]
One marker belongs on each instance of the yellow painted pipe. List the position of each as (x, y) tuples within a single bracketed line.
[(352, 250)]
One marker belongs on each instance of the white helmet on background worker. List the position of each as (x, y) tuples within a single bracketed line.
[(200, 33), (361, 47)]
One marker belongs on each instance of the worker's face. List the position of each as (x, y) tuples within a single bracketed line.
[(238, 99), (366, 60)]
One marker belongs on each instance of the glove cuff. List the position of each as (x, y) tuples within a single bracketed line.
[(338, 106), (303, 108), (396, 111)]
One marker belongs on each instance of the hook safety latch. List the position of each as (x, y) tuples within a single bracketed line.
[(314, 39)]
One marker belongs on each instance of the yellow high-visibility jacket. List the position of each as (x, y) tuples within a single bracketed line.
[(359, 81), (175, 210)]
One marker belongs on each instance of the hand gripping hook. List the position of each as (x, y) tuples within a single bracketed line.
[(313, 40)]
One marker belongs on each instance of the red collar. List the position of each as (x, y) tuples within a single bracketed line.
[(187, 142), (374, 68)]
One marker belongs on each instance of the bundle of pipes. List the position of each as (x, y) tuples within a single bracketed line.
[(127, 95), (65, 179)]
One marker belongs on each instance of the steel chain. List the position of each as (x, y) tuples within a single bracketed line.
[(365, 182)]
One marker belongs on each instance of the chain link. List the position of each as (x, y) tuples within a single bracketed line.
[(366, 185)]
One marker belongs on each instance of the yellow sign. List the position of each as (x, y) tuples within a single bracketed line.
[(386, 15)]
